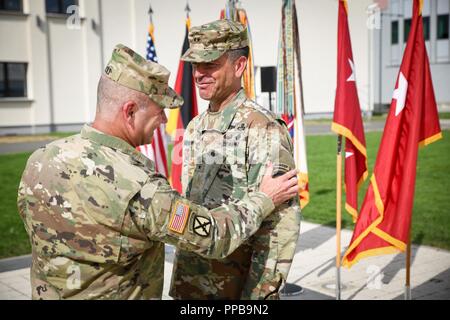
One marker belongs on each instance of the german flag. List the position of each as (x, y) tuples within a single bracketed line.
[(180, 118)]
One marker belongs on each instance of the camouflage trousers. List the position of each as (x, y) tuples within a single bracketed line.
[(255, 271)]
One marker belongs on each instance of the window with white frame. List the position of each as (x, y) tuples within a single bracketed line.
[(442, 31), (13, 80)]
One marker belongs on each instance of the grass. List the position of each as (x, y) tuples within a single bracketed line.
[(444, 115), (62, 134), (431, 216), (13, 238)]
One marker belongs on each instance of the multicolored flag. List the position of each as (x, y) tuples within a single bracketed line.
[(157, 151), (347, 119), (232, 12), (290, 92), (180, 118), (384, 223)]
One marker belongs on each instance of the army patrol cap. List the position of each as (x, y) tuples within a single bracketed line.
[(131, 70), (210, 41)]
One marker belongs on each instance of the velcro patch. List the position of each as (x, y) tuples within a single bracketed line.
[(202, 226), (180, 216), (279, 169)]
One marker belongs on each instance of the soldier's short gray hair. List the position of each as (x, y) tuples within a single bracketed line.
[(111, 96), (235, 54)]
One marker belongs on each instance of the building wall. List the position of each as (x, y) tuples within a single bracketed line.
[(65, 64), (438, 51), (318, 36), (15, 48)]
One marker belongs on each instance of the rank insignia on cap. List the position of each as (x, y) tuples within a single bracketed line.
[(202, 226), (180, 216)]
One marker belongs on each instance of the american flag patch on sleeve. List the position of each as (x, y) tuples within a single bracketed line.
[(180, 216)]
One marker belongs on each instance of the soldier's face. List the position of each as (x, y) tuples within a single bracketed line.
[(215, 80), (148, 119)]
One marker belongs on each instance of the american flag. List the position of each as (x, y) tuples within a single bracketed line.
[(157, 150), (179, 219), (151, 52)]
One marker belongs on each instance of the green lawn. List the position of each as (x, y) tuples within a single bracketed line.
[(444, 115), (431, 217), (13, 238), (62, 134)]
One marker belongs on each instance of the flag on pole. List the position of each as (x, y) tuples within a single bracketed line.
[(347, 119), (384, 223), (157, 151), (290, 92), (180, 118), (232, 12)]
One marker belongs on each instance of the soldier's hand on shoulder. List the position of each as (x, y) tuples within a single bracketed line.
[(279, 189)]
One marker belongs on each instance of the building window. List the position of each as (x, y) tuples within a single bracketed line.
[(59, 6), (406, 29), (394, 32), (11, 5), (13, 80), (426, 28), (442, 26)]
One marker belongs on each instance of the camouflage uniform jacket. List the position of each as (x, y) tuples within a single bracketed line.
[(97, 215), (225, 154)]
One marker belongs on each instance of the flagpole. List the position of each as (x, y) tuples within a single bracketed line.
[(187, 9), (408, 271), (338, 216)]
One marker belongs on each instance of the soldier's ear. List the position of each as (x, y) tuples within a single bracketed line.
[(129, 110), (240, 65)]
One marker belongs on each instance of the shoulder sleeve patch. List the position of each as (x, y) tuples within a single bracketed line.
[(281, 122), (201, 226), (148, 191), (279, 169), (179, 218)]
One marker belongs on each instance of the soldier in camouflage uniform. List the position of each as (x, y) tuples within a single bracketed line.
[(225, 150), (98, 214)]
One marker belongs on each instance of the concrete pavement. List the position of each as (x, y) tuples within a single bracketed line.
[(375, 278)]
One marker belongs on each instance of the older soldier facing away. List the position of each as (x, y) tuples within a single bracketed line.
[(225, 150), (98, 214)]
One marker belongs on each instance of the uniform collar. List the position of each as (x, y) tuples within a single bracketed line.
[(229, 111), (92, 134)]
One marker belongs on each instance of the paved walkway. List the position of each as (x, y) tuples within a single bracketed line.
[(378, 278)]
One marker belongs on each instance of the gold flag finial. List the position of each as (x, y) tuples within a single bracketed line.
[(420, 6), (345, 5)]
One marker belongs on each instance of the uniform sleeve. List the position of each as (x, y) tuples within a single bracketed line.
[(163, 215), (279, 234)]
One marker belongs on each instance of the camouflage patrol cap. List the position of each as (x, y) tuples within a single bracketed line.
[(210, 41), (129, 69)]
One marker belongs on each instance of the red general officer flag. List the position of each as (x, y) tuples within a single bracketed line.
[(384, 222), (347, 115)]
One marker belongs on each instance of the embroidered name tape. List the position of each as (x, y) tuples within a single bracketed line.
[(180, 216)]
